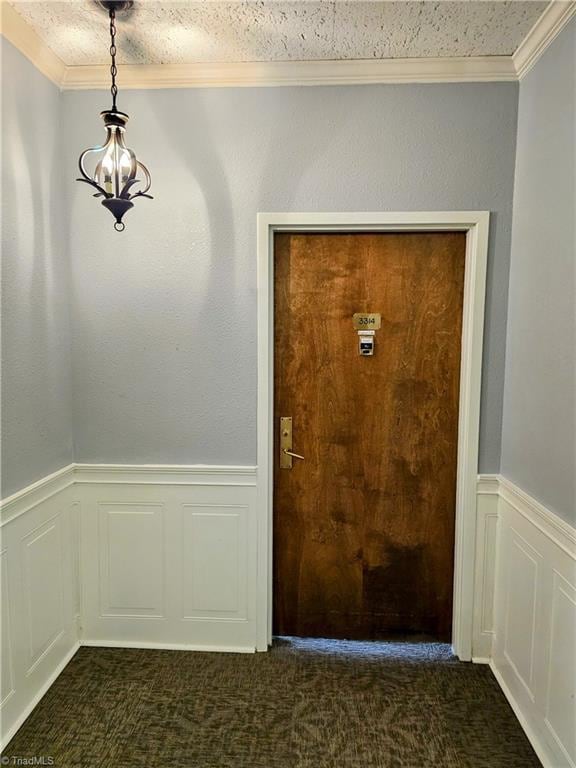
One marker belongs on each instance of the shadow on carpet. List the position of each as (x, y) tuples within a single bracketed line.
[(305, 704)]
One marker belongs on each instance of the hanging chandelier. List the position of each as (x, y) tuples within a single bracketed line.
[(117, 171)]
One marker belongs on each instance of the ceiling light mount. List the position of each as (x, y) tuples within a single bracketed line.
[(118, 6), (116, 170)]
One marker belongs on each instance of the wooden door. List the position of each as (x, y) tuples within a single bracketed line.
[(364, 525)]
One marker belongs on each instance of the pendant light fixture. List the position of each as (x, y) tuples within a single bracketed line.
[(117, 171)]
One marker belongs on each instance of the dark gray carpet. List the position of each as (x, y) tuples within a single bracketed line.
[(306, 704)]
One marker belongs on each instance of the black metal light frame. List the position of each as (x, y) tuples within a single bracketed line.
[(117, 170)]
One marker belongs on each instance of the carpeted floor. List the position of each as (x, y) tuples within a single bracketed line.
[(306, 704)]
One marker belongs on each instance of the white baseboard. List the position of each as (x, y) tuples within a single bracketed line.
[(532, 736), (168, 646)]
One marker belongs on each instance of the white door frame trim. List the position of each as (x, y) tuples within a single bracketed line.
[(476, 225)]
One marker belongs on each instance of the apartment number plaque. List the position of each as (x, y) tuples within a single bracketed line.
[(367, 321)]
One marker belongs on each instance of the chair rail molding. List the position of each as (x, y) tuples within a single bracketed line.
[(177, 474), (36, 493), (463, 69)]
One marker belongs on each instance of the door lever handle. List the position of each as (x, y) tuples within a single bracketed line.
[(291, 453), (286, 452)]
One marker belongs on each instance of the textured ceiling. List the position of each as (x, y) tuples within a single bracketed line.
[(274, 30)]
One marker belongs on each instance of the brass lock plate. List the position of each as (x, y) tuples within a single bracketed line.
[(285, 441)]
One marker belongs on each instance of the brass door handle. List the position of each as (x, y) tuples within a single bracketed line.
[(291, 453), (286, 452)]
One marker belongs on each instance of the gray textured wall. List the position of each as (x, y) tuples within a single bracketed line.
[(36, 396), (164, 314), (539, 431)]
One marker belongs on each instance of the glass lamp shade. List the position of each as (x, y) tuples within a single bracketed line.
[(117, 171)]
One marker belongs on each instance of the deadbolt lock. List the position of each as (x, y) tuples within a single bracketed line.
[(366, 343)]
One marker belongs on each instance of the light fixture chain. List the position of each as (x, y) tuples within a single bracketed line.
[(114, 171), (113, 68)]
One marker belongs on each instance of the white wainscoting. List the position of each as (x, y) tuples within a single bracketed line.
[(487, 502), (165, 557), (39, 595), (534, 651), (168, 556), (129, 556)]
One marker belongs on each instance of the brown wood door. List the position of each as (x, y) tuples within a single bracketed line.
[(364, 525)]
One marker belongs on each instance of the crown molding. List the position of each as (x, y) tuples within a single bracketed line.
[(24, 38), (281, 73), (547, 27)]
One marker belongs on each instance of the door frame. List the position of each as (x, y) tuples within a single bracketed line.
[(476, 226)]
